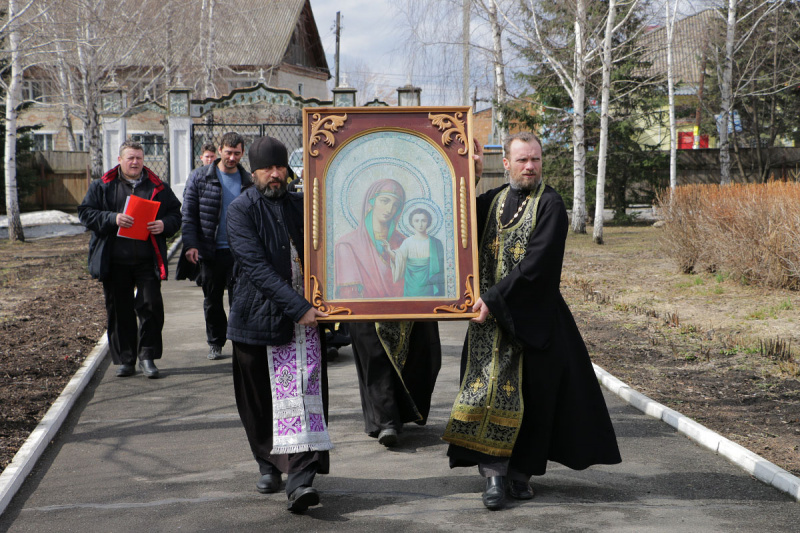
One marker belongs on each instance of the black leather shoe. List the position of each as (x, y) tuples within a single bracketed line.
[(268, 483), (302, 498), (520, 490), (125, 370), (148, 368), (388, 437), (494, 497)]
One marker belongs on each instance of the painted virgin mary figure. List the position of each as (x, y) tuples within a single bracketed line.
[(397, 362), (362, 263)]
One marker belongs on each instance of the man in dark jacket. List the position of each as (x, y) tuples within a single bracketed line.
[(529, 394), (208, 193), (279, 372), (125, 265)]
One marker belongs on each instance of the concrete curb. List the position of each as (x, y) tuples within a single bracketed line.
[(174, 248), (25, 459), (752, 463)]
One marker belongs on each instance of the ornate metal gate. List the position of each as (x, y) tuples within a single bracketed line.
[(288, 134)]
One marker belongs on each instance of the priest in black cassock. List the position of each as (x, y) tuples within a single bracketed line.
[(528, 390)]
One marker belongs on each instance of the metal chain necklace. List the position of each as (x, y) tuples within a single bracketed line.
[(510, 222)]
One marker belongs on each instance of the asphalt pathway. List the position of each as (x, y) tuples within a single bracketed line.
[(170, 455)]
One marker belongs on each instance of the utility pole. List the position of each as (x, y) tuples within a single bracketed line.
[(338, 35), (465, 44)]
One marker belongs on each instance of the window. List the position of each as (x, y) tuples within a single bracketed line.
[(80, 142), (36, 90), (152, 143), (43, 141), (300, 89)]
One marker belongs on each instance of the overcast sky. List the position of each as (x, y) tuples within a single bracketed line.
[(368, 35), (371, 40)]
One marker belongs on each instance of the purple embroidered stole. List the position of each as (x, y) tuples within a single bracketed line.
[(295, 373)]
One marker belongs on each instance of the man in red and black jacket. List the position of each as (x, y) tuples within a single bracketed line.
[(124, 264)]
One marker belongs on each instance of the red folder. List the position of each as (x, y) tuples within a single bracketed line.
[(142, 211)]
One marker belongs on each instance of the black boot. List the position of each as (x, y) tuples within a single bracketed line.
[(148, 368), (494, 497), (269, 483)]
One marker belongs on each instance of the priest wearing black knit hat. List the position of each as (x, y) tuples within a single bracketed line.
[(279, 371)]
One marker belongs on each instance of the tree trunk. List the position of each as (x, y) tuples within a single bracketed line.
[(66, 99), (602, 154), (499, 74), (578, 121), (15, 232), (64, 87), (208, 53), (673, 128), (726, 104), (87, 61)]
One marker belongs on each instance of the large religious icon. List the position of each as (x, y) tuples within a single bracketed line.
[(389, 202)]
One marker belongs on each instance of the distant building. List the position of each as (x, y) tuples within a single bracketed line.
[(691, 46), (275, 43)]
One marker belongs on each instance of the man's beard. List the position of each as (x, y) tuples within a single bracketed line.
[(269, 192), (523, 182)]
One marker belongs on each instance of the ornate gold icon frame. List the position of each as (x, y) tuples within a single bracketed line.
[(375, 178)]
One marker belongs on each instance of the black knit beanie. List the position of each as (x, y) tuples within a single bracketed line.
[(265, 152)]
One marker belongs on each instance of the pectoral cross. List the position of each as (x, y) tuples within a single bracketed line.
[(496, 245)]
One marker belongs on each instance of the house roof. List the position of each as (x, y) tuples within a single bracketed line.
[(248, 33), (690, 40), (260, 32)]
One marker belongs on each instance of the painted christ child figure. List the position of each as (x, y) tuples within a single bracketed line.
[(419, 259)]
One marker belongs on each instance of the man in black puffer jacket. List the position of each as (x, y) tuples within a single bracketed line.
[(126, 264), (277, 348), (208, 193)]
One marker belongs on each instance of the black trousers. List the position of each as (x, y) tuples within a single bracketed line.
[(388, 399), (253, 393), (217, 275), (126, 339)]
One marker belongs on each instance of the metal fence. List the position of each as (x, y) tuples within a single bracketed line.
[(289, 134), (156, 157)]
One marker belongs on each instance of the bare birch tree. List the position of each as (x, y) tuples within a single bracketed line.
[(612, 26), (208, 48), (13, 32), (597, 231), (572, 77), (101, 43), (15, 232), (740, 28), (434, 45), (726, 96), (499, 69), (669, 26)]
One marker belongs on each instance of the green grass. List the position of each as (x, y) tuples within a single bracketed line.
[(771, 311), (695, 281)]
